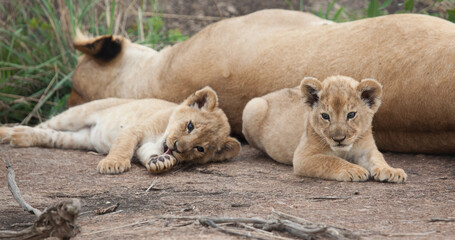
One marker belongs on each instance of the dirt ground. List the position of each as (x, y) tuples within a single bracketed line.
[(251, 185)]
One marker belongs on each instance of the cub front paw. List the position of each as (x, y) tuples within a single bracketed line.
[(389, 174), (112, 165), (22, 136), (161, 163), (353, 173)]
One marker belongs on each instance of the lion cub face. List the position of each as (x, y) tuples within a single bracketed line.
[(199, 131), (342, 108)]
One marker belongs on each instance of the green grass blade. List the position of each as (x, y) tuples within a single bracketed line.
[(409, 5), (111, 24), (373, 9), (385, 4), (291, 6), (337, 14)]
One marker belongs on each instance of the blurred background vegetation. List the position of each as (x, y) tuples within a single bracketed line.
[(37, 58)]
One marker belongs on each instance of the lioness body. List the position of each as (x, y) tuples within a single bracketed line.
[(288, 126), (157, 128), (250, 56)]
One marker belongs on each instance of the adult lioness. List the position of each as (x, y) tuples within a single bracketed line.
[(164, 133), (242, 58), (322, 129)]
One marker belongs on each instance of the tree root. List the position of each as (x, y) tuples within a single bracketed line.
[(295, 226)]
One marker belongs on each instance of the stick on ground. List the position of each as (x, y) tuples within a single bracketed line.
[(15, 190), (295, 226), (56, 221)]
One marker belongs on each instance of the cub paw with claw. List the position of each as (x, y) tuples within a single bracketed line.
[(161, 163), (354, 173), (389, 174), (112, 165)]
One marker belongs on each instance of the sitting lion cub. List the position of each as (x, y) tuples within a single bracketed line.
[(322, 128), (163, 133)]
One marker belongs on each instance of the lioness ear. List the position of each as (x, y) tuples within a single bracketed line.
[(204, 99), (370, 92), (310, 87), (103, 48), (229, 149)]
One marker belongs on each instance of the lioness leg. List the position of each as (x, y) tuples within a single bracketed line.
[(424, 142), (23, 136), (328, 167)]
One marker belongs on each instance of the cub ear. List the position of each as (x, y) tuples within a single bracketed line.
[(370, 91), (230, 148), (103, 48), (204, 99), (310, 87)]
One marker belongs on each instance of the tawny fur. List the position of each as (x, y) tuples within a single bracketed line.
[(288, 125), (197, 130), (245, 57)]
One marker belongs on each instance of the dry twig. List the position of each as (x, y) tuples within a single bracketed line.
[(56, 221), (151, 187), (212, 223), (268, 234), (322, 198), (16, 192), (119, 227), (442, 220), (19, 99), (410, 234), (41, 100), (218, 9), (110, 209), (297, 227)]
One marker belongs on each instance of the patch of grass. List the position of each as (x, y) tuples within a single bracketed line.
[(332, 10), (37, 57), (36, 53)]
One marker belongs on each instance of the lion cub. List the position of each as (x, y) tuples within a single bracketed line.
[(322, 128), (157, 132)]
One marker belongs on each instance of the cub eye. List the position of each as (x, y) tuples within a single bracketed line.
[(190, 126), (351, 115), (200, 149), (325, 116)]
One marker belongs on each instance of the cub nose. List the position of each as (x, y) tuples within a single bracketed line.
[(338, 139)]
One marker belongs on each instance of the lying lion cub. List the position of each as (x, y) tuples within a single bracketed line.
[(323, 129), (164, 133)]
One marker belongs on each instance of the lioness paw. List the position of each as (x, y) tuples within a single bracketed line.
[(353, 173), (22, 136), (388, 174), (162, 163), (112, 165)]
